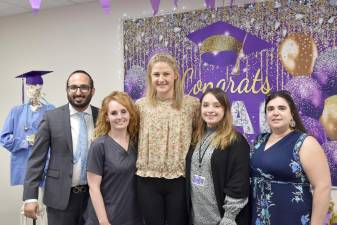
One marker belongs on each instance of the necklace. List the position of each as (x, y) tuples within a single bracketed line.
[(274, 139)]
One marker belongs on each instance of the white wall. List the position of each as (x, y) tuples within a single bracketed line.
[(63, 40)]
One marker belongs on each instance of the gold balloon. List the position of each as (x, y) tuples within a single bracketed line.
[(329, 117), (298, 53)]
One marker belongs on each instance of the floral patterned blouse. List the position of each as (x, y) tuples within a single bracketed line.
[(280, 189), (164, 137)]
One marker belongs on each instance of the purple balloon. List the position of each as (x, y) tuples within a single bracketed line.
[(325, 71), (330, 149), (307, 96), (314, 128), (134, 82)]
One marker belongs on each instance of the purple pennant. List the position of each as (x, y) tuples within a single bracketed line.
[(105, 4), (175, 2), (35, 4), (231, 4), (155, 6), (210, 4)]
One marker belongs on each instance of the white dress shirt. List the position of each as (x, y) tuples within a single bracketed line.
[(75, 124)]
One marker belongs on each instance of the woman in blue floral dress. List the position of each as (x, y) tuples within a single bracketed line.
[(290, 178)]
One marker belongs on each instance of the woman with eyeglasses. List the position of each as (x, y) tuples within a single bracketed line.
[(217, 166), (112, 164), (289, 170)]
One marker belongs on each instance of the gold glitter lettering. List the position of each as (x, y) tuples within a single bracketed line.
[(255, 85)]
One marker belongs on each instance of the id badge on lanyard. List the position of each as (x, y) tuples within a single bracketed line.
[(198, 180)]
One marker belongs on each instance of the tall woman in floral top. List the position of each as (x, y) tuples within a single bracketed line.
[(166, 118), (286, 165)]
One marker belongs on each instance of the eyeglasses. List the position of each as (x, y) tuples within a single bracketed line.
[(83, 88)]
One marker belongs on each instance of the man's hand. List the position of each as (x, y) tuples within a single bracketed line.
[(31, 210)]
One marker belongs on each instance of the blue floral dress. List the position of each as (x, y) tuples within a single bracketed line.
[(280, 190)]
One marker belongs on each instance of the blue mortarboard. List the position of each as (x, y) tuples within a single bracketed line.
[(34, 77), (221, 43)]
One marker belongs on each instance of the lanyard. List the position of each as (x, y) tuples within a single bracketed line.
[(201, 155)]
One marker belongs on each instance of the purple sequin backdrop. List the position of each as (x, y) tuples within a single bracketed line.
[(260, 72)]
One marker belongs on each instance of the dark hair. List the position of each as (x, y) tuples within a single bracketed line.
[(84, 72), (293, 109)]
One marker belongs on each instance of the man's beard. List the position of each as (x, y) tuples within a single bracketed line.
[(81, 105)]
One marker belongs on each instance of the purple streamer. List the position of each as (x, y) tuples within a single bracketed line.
[(210, 4), (105, 4), (231, 4), (35, 4), (155, 6), (175, 2)]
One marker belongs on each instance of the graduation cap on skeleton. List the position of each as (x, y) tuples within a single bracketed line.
[(33, 77), (223, 44)]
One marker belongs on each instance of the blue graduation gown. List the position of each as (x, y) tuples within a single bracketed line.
[(20, 123)]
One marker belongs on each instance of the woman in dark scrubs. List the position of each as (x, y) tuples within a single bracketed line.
[(112, 164)]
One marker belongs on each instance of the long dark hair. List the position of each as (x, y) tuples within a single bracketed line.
[(293, 109)]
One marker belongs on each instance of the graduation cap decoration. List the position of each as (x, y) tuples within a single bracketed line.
[(33, 77), (223, 44)]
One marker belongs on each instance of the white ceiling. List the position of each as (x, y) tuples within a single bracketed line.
[(14, 7)]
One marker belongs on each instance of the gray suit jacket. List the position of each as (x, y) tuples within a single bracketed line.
[(54, 133)]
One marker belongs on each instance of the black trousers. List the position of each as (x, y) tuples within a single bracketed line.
[(73, 214), (162, 201)]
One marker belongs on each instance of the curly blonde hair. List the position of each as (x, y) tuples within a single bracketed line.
[(103, 125)]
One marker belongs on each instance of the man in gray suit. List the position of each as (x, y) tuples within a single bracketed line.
[(66, 133)]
